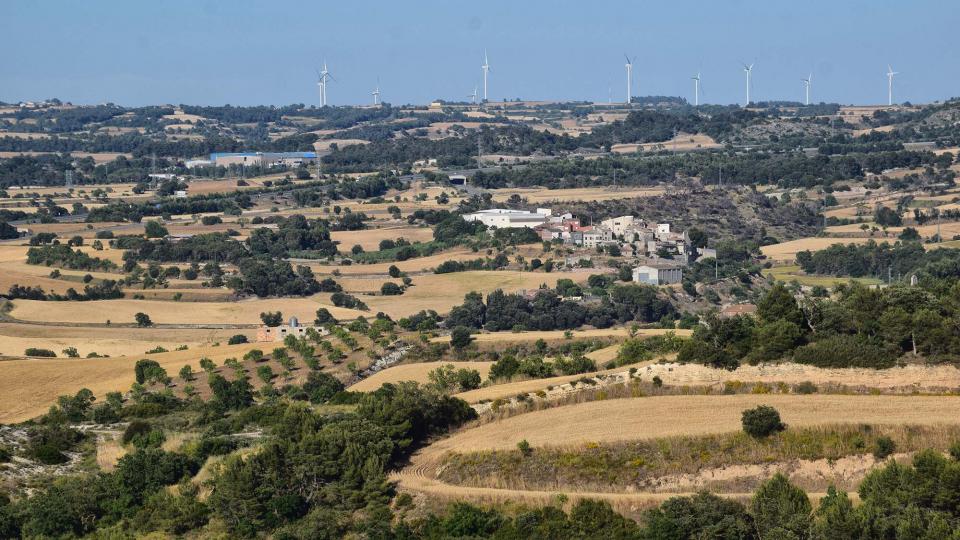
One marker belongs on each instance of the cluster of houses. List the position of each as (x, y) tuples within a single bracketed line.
[(664, 252)]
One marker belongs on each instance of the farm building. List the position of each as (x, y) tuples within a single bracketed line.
[(658, 273), (505, 218), (279, 333)]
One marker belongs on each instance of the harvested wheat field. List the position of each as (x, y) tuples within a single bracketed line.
[(665, 416), (680, 143), (440, 292), (168, 312), (113, 341), (414, 372), (417, 264), (787, 251), (649, 418), (369, 239), (29, 387)]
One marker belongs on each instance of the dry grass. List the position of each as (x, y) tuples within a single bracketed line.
[(716, 462), (540, 195), (418, 264), (792, 272), (417, 372), (112, 341), (370, 239), (440, 292), (552, 335), (787, 251), (109, 452), (29, 387), (123, 310), (98, 157), (667, 416), (681, 143)]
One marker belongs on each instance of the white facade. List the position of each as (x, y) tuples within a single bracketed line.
[(506, 218), (657, 274), (596, 237)]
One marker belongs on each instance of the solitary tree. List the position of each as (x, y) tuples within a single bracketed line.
[(186, 373), (762, 421), (142, 319)]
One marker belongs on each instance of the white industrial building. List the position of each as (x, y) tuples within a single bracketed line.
[(504, 218), (658, 273)]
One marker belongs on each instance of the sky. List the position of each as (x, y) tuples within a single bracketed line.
[(243, 52)]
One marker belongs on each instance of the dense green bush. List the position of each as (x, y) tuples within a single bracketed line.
[(762, 421)]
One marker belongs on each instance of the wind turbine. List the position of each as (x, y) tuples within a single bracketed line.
[(696, 89), (473, 96), (890, 74), (749, 72), (486, 69), (806, 86), (376, 93), (629, 66), (323, 76)]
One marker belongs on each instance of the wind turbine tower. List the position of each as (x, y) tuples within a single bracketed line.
[(629, 66), (890, 74), (323, 77), (749, 72), (696, 89), (376, 93), (486, 69), (473, 96), (806, 86)]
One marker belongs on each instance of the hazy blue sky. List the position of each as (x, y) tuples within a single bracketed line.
[(137, 52)]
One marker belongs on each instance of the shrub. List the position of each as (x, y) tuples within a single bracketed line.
[(135, 429), (806, 387), (265, 373), (884, 447), (762, 421), (34, 351), (955, 451), (237, 339), (47, 444), (390, 289), (142, 319), (524, 448)]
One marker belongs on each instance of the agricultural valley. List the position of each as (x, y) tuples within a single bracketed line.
[(526, 319)]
